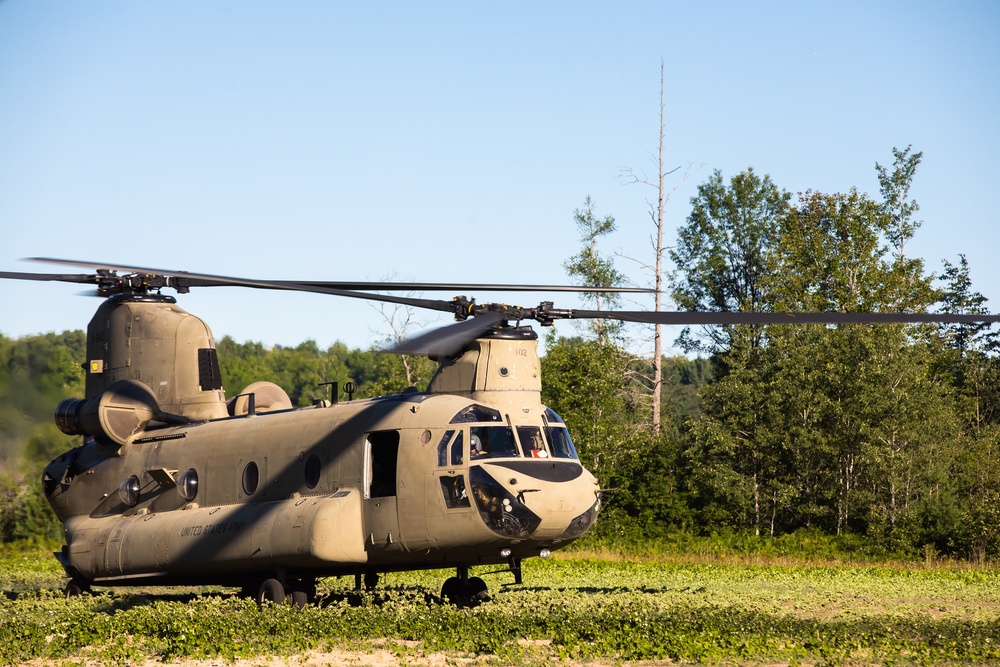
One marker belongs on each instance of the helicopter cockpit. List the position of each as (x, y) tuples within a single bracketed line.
[(498, 454)]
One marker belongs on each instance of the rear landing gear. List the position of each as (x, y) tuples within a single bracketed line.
[(271, 590), (299, 593), (465, 591)]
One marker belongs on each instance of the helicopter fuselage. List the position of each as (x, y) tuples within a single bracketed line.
[(392, 483)]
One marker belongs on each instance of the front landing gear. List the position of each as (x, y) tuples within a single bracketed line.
[(465, 591), (75, 588)]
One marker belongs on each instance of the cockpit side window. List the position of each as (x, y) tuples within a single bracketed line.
[(458, 450), (442, 450), (491, 442), (532, 444), (560, 443)]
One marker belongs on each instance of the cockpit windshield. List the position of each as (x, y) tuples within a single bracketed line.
[(491, 442), (532, 444)]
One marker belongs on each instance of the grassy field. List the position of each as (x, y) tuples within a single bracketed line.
[(575, 609)]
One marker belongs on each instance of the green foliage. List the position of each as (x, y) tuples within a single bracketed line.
[(302, 370), (722, 250), (592, 269), (24, 512), (579, 609), (36, 372)]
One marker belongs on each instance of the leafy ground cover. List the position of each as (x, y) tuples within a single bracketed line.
[(573, 609)]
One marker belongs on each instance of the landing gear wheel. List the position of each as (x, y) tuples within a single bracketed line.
[(75, 589), (271, 590), (298, 599), (371, 580), (477, 591), (453, 591)]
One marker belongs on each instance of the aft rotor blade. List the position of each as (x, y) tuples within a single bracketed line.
[(321, 286), (448, 341), (728, 318), (467, 287)]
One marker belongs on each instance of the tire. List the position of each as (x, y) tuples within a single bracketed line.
[(74, 589), (478, 592), (453, 592), (298, 599), (271, 590)]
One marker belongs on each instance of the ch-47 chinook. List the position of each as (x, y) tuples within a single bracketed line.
[(174, 484)]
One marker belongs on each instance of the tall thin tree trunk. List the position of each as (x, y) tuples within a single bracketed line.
[(657, 334)]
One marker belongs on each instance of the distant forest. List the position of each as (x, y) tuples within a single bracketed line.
[(887, 435)]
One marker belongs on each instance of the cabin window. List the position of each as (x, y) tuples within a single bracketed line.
[(382, 453), (454, 492), (251, 478), (312, 471), (503, 512), (491, 442), (532, 443), (443, 448)]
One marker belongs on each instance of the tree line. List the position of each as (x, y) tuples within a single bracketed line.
[(885, 433)]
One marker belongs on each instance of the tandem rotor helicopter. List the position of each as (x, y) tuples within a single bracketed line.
[(176, 484)]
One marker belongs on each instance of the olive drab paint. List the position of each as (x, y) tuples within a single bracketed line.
[(175, 484)]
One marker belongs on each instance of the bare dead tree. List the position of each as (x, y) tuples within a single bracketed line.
[(656, 213), (402, 321)]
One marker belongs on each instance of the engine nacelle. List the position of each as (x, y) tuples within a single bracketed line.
[(125, 408)]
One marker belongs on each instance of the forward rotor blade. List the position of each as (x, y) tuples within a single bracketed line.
[(188, 279), (448, 341), (727, 318), (84, 278)]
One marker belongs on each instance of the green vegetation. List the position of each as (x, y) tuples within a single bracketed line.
[(584, 609)]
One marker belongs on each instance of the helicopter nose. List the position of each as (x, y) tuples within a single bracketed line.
[(543, 501), (567, 510)]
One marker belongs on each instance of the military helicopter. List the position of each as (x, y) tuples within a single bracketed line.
[(176, 484)]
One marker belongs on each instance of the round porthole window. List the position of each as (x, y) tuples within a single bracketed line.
[(128, 491), (187, 485), (251, 478), (313, 468)]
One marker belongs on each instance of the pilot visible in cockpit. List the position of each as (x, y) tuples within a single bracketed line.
[(476, 447)]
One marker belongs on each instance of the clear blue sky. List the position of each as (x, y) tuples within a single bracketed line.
[(453, 141)]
